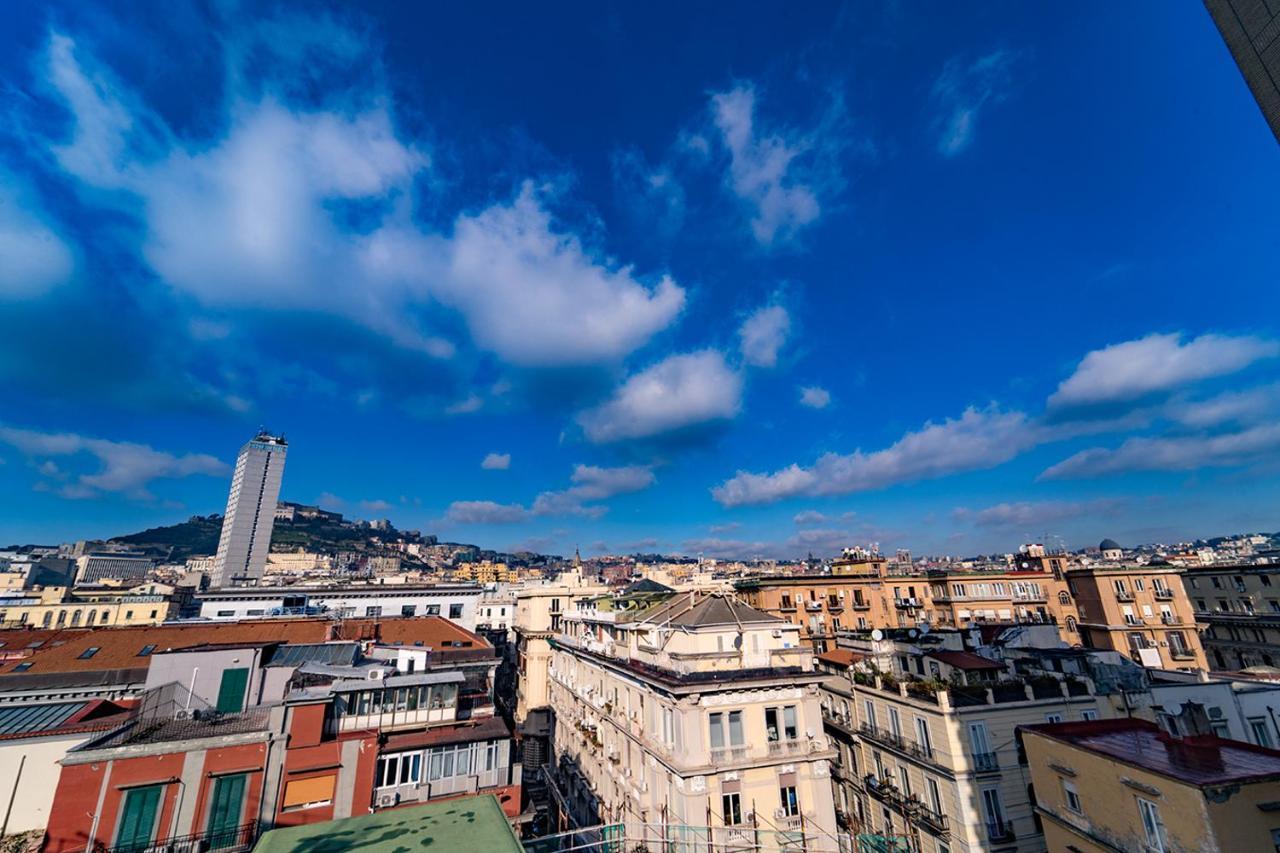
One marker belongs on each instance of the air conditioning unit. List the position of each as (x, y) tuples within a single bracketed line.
[(386, 801), (779, 814), (377, 674), (777, 632)]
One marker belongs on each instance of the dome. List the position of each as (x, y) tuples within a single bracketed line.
[(1109, 545)]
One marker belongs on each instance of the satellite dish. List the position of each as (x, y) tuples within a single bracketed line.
[(737, 641), (924, 628), (1174, 710), (913, 633), (877, 635)]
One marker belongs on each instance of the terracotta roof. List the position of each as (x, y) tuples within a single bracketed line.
[(842, 657), (964, 660), (119, 648), (1203, 760)]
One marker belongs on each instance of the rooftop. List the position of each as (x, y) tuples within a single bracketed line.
[(842, 657), (964, 660), (174, 729), (469, 823), (47, 718), (67, 651), (1201, 760), (693, 611)]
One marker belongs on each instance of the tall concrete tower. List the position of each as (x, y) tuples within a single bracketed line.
[(251, 512)]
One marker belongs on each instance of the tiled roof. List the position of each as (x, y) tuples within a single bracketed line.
[(119, 648), (694, 611), (842, 657), (964, 660), (1202, 760)]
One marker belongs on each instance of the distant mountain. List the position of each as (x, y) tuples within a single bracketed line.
[(195, 537)]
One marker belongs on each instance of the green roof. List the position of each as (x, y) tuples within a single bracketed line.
[(468, 823)]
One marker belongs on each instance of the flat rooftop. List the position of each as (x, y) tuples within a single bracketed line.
[(468, 823), (1201, 760)]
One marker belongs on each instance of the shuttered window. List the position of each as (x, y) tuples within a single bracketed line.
[(313, 791)]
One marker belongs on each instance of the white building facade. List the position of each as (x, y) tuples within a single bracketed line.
[(455, 602), (251, 512)]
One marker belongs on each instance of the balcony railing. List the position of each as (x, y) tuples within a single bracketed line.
[(728, 754), (1124, 595), (885, 791), (986, 762), (999, 831), (787, 747), (813, 605), (1164, 594), (860, 605), (234, 839)]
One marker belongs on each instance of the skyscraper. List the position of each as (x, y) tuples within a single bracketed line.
[(251, 512), (1250, 29)]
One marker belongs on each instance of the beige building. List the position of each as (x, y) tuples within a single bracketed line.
[(698, 717), (63, 607), (1238, 611), (539, 614), (1140, 611), (1129, 785), (934, 762)]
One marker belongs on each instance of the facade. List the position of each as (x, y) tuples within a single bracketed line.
[(251, 512), (1237, 609), (1140, 611), (932, 761), (97, 567), (284, 736), (1036, 593), (539, 617), (1129, 785), (696, 717), (1237, 708), (60, 607), (456, 602)]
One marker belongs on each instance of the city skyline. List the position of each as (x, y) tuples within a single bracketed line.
[(946, 280)]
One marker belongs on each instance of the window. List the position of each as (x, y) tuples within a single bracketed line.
[(1053, 718), (1266, 580), (1071, 796), (904, 781), (1178, 644), (23, 667), (1139, 584), (935, 795), (772, 732), (409, 610), (373, 610), (88, 653), (786, 602), (455, 611), (1258, 731), (732, 805), (871, 713), (147, 650), (222, 614), (400, 769), (790, 805), (1063, 598), (922, 736), (433, 609), (1088, 714), (1217, 583), (1152, 824), (138, 817), (895, 723), (993, 813)]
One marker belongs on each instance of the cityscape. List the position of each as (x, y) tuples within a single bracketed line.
[(902, 515)]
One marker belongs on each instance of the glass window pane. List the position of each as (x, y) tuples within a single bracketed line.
[(735, 728)]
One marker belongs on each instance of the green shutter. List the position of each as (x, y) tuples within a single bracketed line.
[(231, 691), (224, 810), (138, 818)]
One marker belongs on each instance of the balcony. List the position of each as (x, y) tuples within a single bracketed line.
[(860, 605), (1163, 594), (934, 822), (728, 754), (906, 603), (234, 839), (1124, 595), (1169, 618), (999, 831), (897, 742), (813, 606), (986, 762), (787, 747), (1182, 654), (787, 607)]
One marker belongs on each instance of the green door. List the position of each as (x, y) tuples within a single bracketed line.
[(224, 811), (231, 691), (138, 818)]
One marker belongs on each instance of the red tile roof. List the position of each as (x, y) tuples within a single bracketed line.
[(118, 648), (964, 660), (1201, 760), (842, 657)]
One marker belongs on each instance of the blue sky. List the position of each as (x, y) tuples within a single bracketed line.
[(641, 277)]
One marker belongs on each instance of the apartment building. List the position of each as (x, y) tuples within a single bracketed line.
[(1142, 612), (930, 762), (1127, 784), (1238, 611), (539, 617), (695, 720), (107, 565), (1032, 594), (230, 740), (456, 602), (75, 607)]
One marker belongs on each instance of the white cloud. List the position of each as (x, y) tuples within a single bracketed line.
[(592, 484), (678, 392), (815, 397), (809, 517), (126, 467), (761, 169), (466, 406), (1176, 453), (962, 91), (261, 220), (484, 512), (978, 439), (35, 258), (1034, 513), (539, 299), (1156, 364), (1245, 407), (763, 334), (496, 462)]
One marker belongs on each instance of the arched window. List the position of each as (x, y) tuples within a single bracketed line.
[(48, 618), (1063, 598), (75, 619), (93, 614), (1071, 624)]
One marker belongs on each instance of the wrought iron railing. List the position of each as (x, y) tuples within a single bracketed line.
[(234, 839)]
